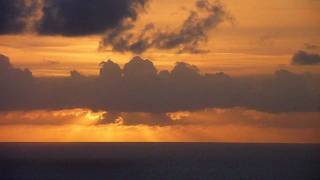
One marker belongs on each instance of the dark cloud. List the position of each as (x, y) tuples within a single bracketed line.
[(139, 87), (110, 72), (13, 15), (190, 35), (83, 17), (67, 17), (139, 69), (245, 117), (116, 18), (75, 75), (15, 86), (305, 58), (215, 117), (136, 118)]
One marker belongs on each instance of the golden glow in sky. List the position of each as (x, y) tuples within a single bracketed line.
[(262, 38), (212, 125), (242, 38)]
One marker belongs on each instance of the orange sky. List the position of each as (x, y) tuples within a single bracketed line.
[(212, 125), (263, 38)]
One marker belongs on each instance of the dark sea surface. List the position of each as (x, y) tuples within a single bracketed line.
[(77, 161)]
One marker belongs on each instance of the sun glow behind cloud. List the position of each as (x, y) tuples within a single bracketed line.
[(255, 43), (212, 125)]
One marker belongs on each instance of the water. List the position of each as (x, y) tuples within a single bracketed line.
[(159, 161)]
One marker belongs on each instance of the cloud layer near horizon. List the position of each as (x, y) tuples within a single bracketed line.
[(207, 117), (218, 125), (139, 87)]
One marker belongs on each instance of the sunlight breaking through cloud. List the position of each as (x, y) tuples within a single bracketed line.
[(218, 125)]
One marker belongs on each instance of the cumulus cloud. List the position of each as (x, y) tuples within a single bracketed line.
[(193, 31), (15, 85), (305, 58), (139, 87)]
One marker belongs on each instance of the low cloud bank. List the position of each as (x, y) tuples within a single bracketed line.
[(140, 87), (216, 117)]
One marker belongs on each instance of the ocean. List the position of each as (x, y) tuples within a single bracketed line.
[(77, 161)]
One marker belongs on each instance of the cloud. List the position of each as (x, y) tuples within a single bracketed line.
[(15, 85), (208, 118), (267, 40), (246, 117), (202, 119), (56, 117), (187, 38), (66, 17), (110, 72), (140, 88), (83, 17), (13, 15), (139, 69), (136, 118), (305, 58), (309, 46), (114, 18), (50, 62)]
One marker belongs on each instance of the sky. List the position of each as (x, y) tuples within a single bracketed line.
[(169, 70), (263, 35)]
